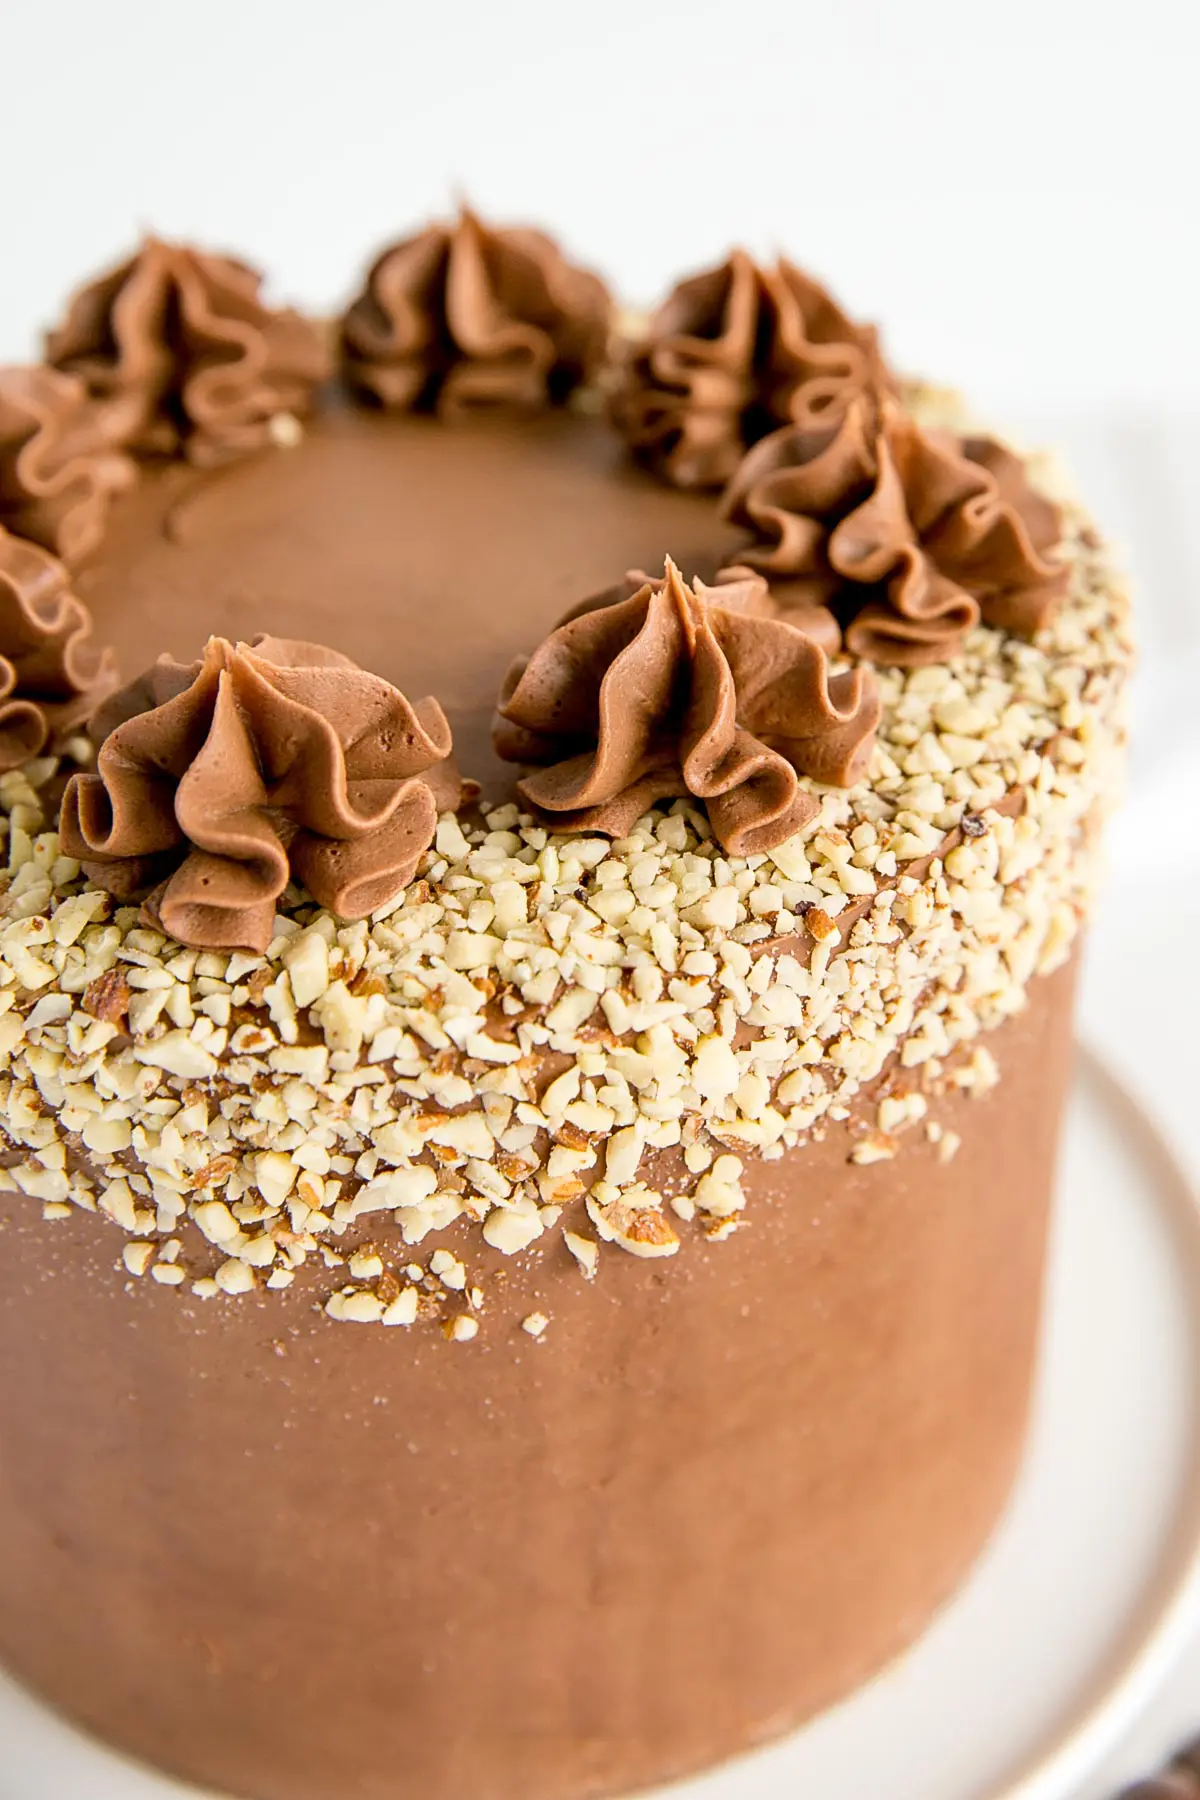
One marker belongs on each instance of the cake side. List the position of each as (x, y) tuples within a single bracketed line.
[(290, 1560)]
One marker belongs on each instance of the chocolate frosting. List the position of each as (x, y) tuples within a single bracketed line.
[(184, 357), (462, 317), (51, 676), (218, 782), (793, 1446), (57, 471), (739, 587), (732, 354), (680, 691), (912, 536)]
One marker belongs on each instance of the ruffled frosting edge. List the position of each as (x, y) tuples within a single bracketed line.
[(218, 782)]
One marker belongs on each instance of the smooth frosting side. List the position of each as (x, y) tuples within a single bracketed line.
[(218, 783), (58, 473), (464, 316), (733, 353), (51, 675), (789, 1446), (184, 357), (676, 691), (913, 536)]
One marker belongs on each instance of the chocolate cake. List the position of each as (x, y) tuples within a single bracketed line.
[(545, 856)]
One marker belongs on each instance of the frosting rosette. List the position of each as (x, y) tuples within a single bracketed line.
[(51, 675), (463, 316), (218, 782), (678, 691), (732, 354), (58, 472), (912, 537), (183, 357)]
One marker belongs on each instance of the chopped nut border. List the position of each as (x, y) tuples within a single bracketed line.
[(523, 1035)]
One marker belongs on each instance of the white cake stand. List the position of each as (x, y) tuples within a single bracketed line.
[(1088, 1591)]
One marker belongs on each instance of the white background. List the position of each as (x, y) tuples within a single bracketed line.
[(1011, 188)]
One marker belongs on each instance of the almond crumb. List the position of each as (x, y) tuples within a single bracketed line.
[(514, 1168), (215, 1172), (948, 1146), (461, 1329), (444, 1153), (108, 997), (364, 985), (877, 1146), (642, 1230), (257, 984), (820, 925)]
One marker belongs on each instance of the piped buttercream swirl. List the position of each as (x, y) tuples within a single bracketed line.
[(463, 316), (679, 691), (218, 782), (183, 357), (911, 536), (51, 675), (58, 472), (733, 353)]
